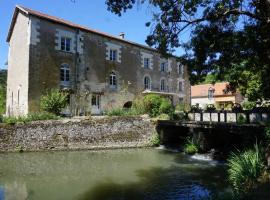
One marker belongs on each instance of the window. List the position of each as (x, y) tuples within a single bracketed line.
[(113, 82), (147, 83), (64, 73), (211, 93), (163, 67), (162, 85), (146, 63), (113, 54), (180, 86), (65, 43), (95, 101), (180, 69)]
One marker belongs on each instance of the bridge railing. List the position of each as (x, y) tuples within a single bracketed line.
[(244, 116)]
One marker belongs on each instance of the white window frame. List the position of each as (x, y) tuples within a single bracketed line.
[(113, 80), (64, 45), (147, 84), (113, 55), (163, 67), (65, 74), (146, 63), (162, 85), (211, 92)]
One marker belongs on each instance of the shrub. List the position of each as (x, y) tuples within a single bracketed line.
[(190, 147), (249, 105), (237, 107), (155, 140), (244, 170), (210, 107), (241, 119), (195, 108), (116, 112), (182, 107), (54, 101), (155, 105)]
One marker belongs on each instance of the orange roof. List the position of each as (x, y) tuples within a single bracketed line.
[(66, 23), (202, 90)]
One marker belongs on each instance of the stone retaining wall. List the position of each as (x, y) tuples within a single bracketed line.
[(94, 133)]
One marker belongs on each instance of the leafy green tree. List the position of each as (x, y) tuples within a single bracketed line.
[(54, 101), (227, 36)]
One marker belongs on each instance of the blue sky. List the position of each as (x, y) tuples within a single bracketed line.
[(90, 13)]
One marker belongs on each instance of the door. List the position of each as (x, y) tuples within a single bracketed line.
[(95, 104)]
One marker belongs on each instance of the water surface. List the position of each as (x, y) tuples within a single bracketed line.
[(149, 174)]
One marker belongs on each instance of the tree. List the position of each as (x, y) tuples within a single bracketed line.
[(226, 36)]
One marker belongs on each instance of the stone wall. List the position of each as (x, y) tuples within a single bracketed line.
[(94, 133)]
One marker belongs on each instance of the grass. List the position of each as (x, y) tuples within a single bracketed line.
[(190, 147), (29, 118), (245, 168)]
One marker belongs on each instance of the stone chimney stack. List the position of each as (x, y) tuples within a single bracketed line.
[(122, 35)]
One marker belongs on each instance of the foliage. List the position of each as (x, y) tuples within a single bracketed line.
[(180, 116), (182, 107), (156, 105), (244, 170), (29, 118), (249, 105), (195, 108), (229, 39), (155, 140), (190, 147), (237, 107), (54, 101), (210, 107), (241, 119)]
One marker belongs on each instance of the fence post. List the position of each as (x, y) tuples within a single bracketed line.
[(248, 116), (225, 116)]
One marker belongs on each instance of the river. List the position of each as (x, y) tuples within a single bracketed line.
[(121, 174)]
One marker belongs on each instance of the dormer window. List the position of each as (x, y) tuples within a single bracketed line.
[(211, 93), (163, 67), (113, 54), (65, 44), (146, 63)]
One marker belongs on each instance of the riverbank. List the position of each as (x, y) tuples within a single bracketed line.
[(78, 134)]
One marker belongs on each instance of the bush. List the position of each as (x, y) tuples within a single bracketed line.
[(195, 108), (241, 119), (190, 147), (244, 170), (237, 107), (182, 107), (155, 140), (210, 107), (249, 105), (54, 101)]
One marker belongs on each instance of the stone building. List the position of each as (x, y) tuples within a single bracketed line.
[(99, 71)]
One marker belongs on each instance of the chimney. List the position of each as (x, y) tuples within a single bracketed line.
[(122, 35)]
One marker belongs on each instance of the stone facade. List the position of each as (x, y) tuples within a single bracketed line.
[(94, 133), (91, 58)]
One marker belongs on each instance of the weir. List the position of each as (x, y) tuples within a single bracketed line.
[(221, 136)]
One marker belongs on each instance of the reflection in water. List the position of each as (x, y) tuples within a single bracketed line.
[(114, 174)]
